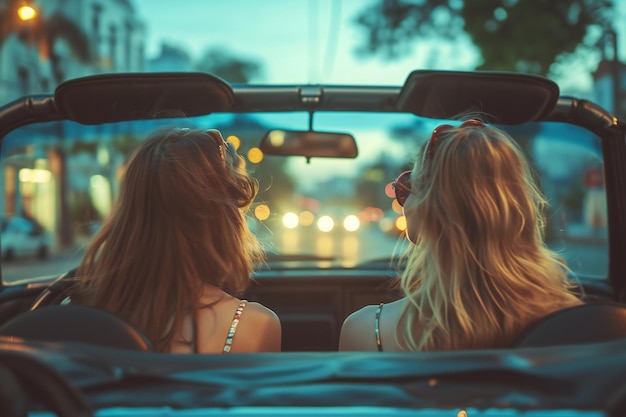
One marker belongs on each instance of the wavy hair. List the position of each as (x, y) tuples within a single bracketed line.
[(479, 271), (178, 224)]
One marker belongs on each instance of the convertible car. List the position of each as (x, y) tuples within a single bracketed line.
[(325, 157)]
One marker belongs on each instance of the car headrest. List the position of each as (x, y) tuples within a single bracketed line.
[(76, 323), (585, 323)]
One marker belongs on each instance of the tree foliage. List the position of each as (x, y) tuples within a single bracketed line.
[(229, 67), (512, 35)]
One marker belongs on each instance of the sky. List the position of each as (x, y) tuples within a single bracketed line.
[(309, 41)]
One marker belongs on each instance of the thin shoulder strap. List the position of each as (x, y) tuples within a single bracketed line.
[(233, 326), (379, 343), (194, 331)]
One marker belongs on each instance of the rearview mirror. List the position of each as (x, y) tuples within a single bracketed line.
[(309, 144)]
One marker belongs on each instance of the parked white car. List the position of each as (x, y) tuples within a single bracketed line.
[(21, 236)]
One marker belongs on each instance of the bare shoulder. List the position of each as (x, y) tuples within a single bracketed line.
[(260, 328), (260, 311), (357, 332), (362, 314)]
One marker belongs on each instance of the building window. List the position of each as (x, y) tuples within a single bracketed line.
[(113, 46), (9, 190), (22, 77), (95, 20), (128, 45)]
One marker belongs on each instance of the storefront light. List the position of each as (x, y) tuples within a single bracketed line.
[(35, 175)]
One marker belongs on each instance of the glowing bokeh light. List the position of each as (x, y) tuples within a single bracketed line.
[(262, 212), (277, 138), (35, 175), (371, 214), (401, 223), (396, 207), (306, 218), (325, 223), (255, 155), (26, 13), (351, 223), (389, 191), (290, 220), (234, 140)]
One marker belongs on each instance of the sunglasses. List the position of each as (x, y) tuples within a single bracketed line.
[(219, 141), (402, 184), (402, 187), (432, 142)]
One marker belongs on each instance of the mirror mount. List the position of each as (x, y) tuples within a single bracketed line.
[(311, 113)]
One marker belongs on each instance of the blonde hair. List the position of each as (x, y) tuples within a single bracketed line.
[(479, 271), (178, 224)]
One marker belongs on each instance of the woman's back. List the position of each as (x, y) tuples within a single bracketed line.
[(228, 325), (374, 327), (478, 271), (177, 244)]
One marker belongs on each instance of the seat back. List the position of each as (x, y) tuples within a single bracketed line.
[(585, 323), (76, 323)]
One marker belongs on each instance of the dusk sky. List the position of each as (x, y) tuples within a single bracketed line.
[(297, 40), (310, 41)]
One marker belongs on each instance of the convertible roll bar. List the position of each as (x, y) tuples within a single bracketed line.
[(28, 110), (290, 98)]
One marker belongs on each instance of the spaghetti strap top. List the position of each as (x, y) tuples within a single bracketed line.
[(231, 330), (233, 326), (379, 343)]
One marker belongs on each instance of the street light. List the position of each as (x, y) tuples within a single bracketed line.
[(26, 12), (611, 38)]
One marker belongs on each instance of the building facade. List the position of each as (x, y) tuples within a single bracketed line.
[(67, 39), (609, 86)]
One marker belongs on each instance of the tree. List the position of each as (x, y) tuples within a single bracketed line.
[(225, 65), (512, 35)]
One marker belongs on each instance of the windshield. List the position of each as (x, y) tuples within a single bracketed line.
[(322, 212)]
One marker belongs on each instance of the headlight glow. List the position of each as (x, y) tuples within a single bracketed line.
[(290, 220), (351, 223), (325, 223)]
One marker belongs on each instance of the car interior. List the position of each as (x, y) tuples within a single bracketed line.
[(313, 293)]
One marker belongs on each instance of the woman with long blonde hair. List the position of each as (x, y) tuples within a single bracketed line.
[(176, 250), (478, 271)]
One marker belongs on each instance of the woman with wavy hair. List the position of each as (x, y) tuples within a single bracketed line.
[(176, 250), (478, 271)]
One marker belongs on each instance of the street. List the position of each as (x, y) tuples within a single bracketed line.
[(585, 257), (347, 248), (34, 269)]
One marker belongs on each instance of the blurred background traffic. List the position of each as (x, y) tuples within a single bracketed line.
[(61, 178)]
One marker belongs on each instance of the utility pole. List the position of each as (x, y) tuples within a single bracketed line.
[(611, 39)]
